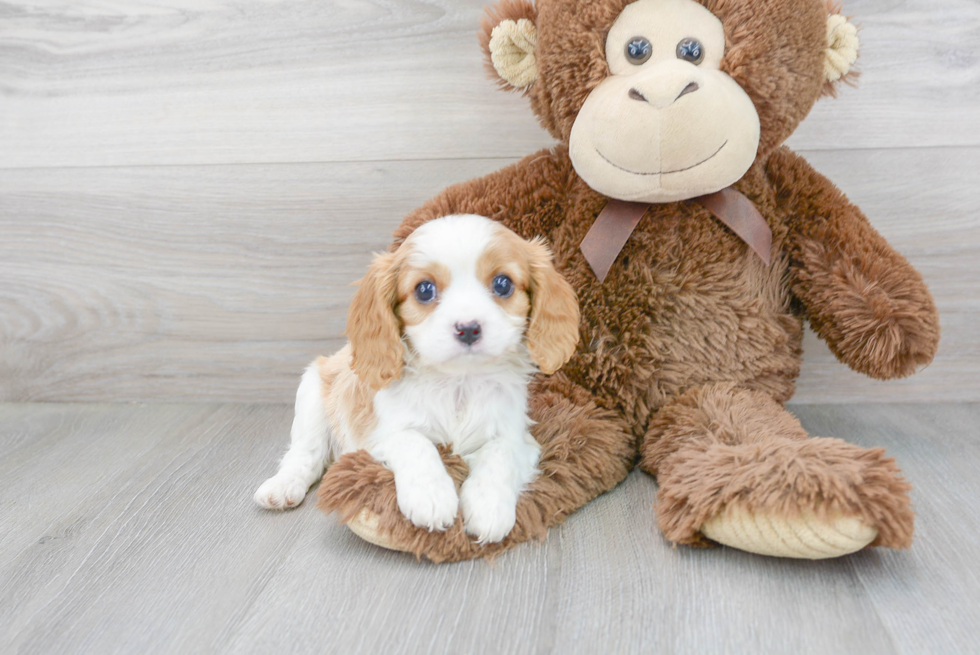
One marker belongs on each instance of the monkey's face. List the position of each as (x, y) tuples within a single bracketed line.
[(666, 124), (663, 100)]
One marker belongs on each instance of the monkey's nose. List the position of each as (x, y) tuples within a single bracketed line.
[(691, 87), (468, 333)]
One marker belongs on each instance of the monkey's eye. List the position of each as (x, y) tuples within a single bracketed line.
[(502, 286), (690, 50), (425, 291), (638, 50)]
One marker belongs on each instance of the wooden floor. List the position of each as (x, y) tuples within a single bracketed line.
[(130, 528)]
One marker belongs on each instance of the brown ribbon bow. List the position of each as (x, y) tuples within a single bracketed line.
[(617, 220)]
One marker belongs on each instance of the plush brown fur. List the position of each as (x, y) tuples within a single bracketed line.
[(865, 300), (692, 343)]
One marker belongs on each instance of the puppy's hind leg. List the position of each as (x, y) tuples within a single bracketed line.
[(309, 448)]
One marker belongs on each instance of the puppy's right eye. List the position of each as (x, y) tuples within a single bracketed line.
[(425, 291)]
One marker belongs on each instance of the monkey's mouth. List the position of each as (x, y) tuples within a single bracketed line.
[(676, 170)]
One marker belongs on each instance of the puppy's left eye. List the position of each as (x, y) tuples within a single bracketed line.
[(502, 286)]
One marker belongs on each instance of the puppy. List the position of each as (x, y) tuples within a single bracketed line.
[(444, 335)]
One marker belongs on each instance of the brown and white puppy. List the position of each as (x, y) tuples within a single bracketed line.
[(444, 335)]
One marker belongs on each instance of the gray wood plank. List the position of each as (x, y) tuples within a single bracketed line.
[(240, 81), (170, 554), (142, 537), (651, 597), (337, 592), (179, 280), (936, 446), (152, 555), (38, 440), (219, 283)]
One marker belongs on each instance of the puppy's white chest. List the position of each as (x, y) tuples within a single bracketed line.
[(465, 411), (461, 400), (460, 417)]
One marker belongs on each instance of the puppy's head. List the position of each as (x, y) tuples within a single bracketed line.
[(463, 291)]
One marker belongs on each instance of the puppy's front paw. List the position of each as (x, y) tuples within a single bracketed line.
[(428, 501), (282, 491), (489, 511)]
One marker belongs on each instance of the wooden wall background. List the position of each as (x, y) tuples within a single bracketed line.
[(187, 187)]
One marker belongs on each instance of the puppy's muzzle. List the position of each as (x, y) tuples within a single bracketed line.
[(468, 333)]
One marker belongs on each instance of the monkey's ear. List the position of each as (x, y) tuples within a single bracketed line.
[(841, 51), (508, 37)]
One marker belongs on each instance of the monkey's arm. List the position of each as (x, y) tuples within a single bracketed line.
[(862, 297), (523, 195)]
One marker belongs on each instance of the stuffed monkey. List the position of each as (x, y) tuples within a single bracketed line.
[(697, 245)]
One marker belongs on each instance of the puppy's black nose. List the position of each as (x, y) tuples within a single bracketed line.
[(468, 333)]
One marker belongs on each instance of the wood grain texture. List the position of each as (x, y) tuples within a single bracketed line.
[(130, 528), (221, 282), (90, 82), (173, 282)]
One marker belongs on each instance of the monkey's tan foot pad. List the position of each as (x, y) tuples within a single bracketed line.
[(365, 526), (803, 537)]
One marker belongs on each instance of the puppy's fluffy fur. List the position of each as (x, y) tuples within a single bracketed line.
[(412, 375)]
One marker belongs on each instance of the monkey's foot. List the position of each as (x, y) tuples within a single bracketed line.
[(807, 498), (366, 525), (804, 536)]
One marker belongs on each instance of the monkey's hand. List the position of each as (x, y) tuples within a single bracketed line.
[(860, 295)]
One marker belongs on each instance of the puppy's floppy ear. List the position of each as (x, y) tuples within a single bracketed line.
[(553, 332), (372, 326)]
